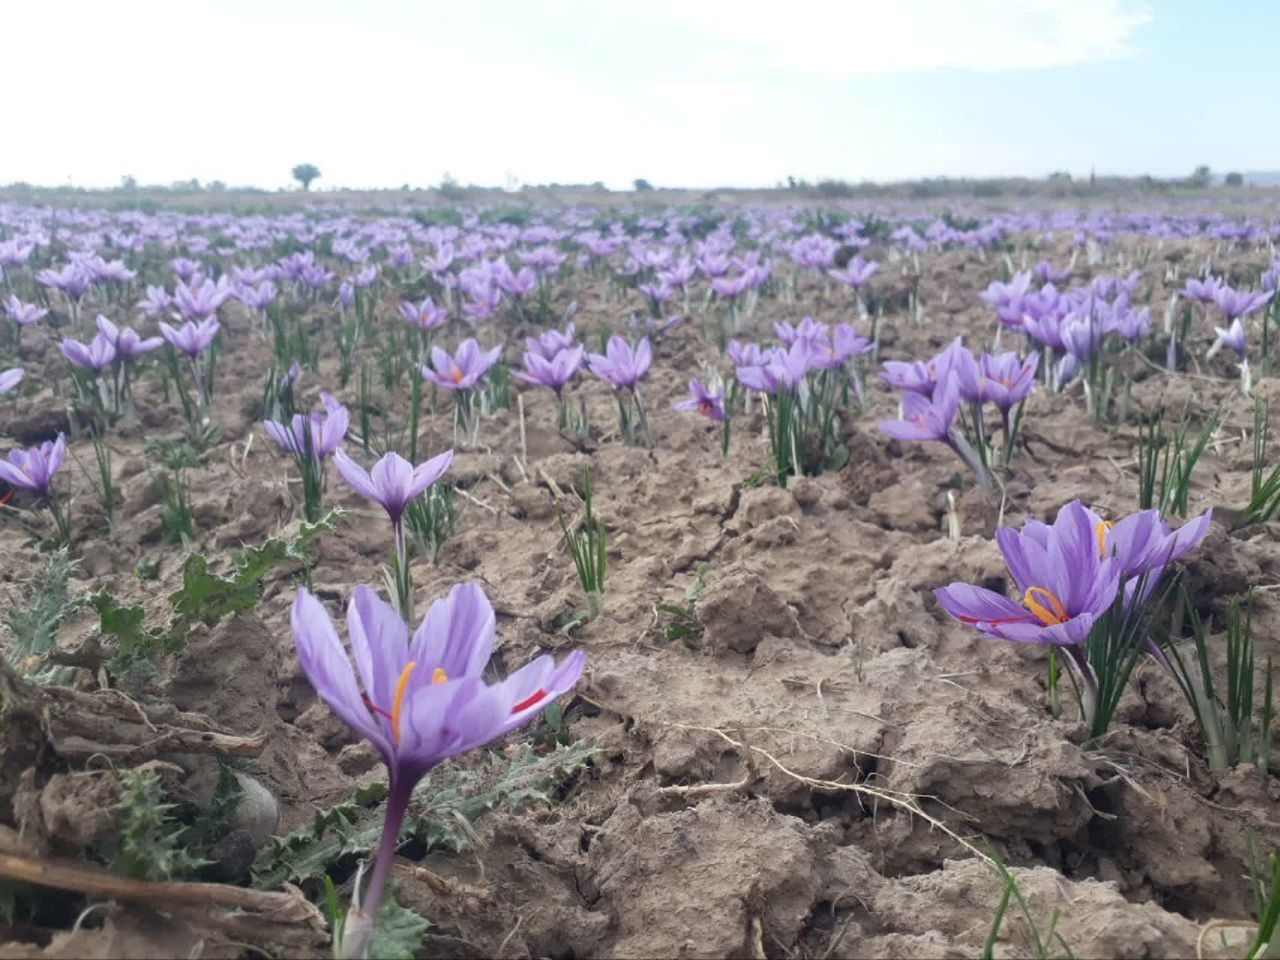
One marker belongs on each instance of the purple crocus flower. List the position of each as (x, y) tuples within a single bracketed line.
[(394, 482), (462, 370), (926, 419), (619, 365), (34, 469), (23, 314), (1202, 291), (1236, 304), (425, 316), (709, 403), (10, 378), (73, 280), (780, 371), (856, 273), (1235, 337), (923, 378), (418, 700), (99, 354), (202, 301), (193, 337), (317, 435), (551, 342), (126, 340), (553, 373), (1142, 542), (1064, 580), (1004, 379), (807, 329), (156, 302), (744, 354)]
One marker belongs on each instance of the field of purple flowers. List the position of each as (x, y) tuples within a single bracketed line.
[(658, 581)]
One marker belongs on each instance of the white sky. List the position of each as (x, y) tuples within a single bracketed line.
[(385, 92)]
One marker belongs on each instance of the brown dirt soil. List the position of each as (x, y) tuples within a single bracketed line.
[(812, 776)]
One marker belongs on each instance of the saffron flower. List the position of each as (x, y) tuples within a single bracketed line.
[(315, 436), (418, 700), (709, 403), (1142, 542), (96, 356), (551, 342), (10, 378), (23, 314), (555, 372), (1236, 304), (1003, 379), (1202, 291), (462, 370), (1065, 583), (426, 316), (126, 340), (394, 483), (1069, 577), (34, 470), (193, 337), (619, 365), (779, 372), (1234, 336), (926, 419)]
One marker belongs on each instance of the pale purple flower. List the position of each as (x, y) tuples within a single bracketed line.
[(34, 469), (1236, 304), (709, 403), (193, 337), (619, 365), (10, 379), (1234, 336), (462, 370), (394, 482), (156, 302), (97, 355), (553, 373), (23, 314), (317, 434), (551, 342), (425, 316), (126, 340)]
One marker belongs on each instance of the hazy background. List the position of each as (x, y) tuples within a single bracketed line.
[(697, 93)]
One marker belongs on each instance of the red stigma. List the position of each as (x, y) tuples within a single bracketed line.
[(529, 701)]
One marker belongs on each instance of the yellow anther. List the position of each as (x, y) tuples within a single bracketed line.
[(1051, 611), (439, 676), (1102, 528), (398, 702)]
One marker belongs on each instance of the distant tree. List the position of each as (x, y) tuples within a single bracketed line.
[(129, 182), (304, 173), (1060, 176), (216, 186), (641, 185), (1234, 179), (1202, 176)]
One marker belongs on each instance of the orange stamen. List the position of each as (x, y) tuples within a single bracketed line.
[(439, 676), (455, 374), (1102, 529), (398, 702), (1051, 611)]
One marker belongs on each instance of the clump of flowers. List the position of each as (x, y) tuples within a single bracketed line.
[(622, 368), (460, 374), (393, 484), (1086, 586), (309, 440), (33, 470), (419, 700)]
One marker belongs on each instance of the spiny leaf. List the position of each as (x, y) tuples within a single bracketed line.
[(397, 931), (444, 806)]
